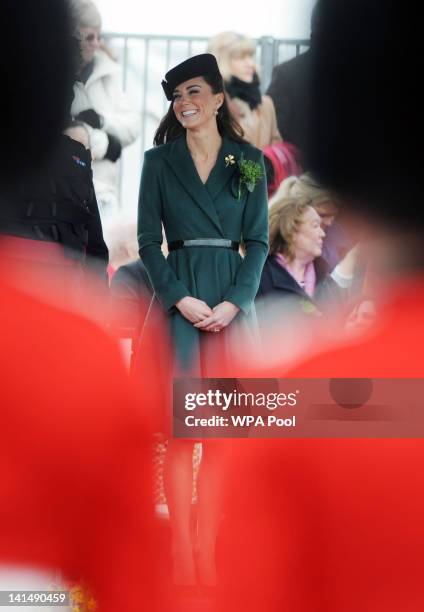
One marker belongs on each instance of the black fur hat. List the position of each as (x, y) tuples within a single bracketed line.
[(199, 65), (364, 126)]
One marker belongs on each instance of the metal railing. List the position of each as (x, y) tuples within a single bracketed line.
[(144, 59)]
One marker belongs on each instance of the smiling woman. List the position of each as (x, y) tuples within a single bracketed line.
[(195, 99), (204, 92), (196, 107), (204, 290)]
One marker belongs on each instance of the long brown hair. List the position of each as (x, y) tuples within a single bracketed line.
[(170, 128)]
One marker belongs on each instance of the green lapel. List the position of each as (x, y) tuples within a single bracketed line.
[(180, 161), (222, 173)]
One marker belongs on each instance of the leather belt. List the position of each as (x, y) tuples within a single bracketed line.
[(204, 242)]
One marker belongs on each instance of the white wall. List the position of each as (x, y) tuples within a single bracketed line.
[(280, 18)]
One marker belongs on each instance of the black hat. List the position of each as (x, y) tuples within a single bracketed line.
[(199, 65)]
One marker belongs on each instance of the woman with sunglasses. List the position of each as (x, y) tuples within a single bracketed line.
[(101, 104)]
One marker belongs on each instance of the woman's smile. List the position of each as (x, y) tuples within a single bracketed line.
[(194, 103)]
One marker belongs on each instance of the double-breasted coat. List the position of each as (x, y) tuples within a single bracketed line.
[(173, 194)]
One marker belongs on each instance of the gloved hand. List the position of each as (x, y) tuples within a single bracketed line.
[(114, 148), (91, 117)]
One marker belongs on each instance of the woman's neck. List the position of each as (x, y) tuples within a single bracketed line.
[(204, 144), (298, 267)]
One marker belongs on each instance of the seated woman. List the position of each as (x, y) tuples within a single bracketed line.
[(294, 270), (338, 239)]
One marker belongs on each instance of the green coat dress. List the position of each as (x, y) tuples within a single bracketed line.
[(172, 194)]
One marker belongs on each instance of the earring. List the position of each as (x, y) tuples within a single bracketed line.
[(216, 111)]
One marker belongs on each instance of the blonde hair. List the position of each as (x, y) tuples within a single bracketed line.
[(285, 217), (85, 14), (227, 46), (306, 188)]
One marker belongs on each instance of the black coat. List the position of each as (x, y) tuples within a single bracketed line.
[(57, 203), (131, 293), (277, 284), (289, 92)]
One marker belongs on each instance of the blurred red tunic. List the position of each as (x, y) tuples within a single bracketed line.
[(75, 458), (333, 525)]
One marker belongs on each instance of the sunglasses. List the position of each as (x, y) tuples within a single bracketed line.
[(90, 38)]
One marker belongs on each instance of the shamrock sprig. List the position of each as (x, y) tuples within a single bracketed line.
[(250, 172)]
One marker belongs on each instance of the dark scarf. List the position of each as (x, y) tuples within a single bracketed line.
[(86, 72), (249, 92)]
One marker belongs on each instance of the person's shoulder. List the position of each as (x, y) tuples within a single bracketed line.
[(271, 263), (267, 107), (292, 64), (159, 151), (104, 64), (267, 102), (132, 274), (266, 283), (68, 153), (132, 269), (75, 147)]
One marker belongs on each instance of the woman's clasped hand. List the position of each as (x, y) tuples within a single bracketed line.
[(205, 318)]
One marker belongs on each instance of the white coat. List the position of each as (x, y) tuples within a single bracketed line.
[(103, 93)]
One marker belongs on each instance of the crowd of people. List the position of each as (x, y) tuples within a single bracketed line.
[(259, 222), (100, 121)]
